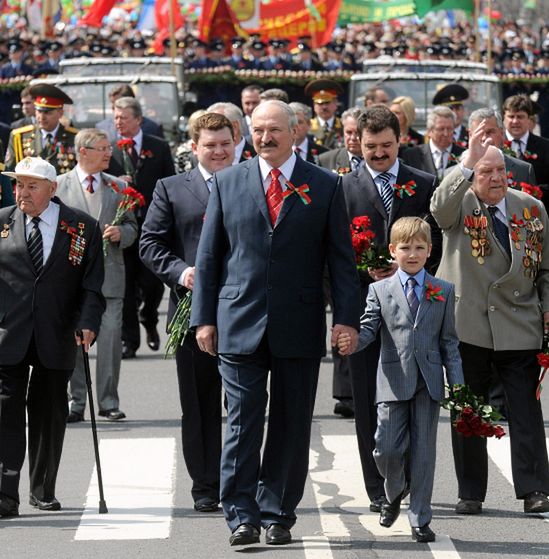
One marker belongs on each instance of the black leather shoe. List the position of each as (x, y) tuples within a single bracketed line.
[(390, 512), (127, 351), (153, 339), (469, 506), (49, 505), (277, 534), (377, 503), (8, 506), (536, 502), (112, 415), (423, 534), (75, 417), (206, 505), (345, 408), (245, 534)]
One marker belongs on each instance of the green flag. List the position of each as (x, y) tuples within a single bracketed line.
[(359, 11), (425, 6)]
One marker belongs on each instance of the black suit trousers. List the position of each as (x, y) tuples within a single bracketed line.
[(200, 395), (46, 401), (265, 491), (142, 288), (519, 372)]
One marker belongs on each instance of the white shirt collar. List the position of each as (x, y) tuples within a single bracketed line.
[(393, 170), (523, 139), (330, 122), (205, 173), (46, 132), (138, 139), (83, 176), (48, 216), (502, 209), (435, 148), (238, 149), (304, 147), (287, 168)]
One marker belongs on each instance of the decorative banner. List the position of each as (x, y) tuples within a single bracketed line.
[(97, 11), (288, 19), (363, 11), (425, 6), (162, 18), (218, 21)]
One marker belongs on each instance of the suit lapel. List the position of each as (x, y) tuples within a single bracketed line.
[(197, 186), (62, 238), (17, 221), (366, 184), (108, 200), (424, 303), (299, 177), (426, 149), (397, 293), (342, 159), (255, 186)]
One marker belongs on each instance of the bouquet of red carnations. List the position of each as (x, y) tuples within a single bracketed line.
[(367, 254), (471, 416)]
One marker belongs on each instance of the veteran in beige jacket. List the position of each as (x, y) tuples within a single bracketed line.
[(493, 241)]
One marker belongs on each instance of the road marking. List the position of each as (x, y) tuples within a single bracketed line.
[(138, 479), (500, 453)]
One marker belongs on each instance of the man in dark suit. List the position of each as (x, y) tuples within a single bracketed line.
[(258, 304), (52, 271), (168, 247), (304, 144), (348, 158), (440, 152), (517, 112), (374, 190), (141, 164)]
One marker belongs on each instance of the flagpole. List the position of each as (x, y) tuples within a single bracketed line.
[(172, 36), (489, 60), (476, 15), (46, 11)]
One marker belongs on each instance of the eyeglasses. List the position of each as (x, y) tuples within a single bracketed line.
[(102, 148)]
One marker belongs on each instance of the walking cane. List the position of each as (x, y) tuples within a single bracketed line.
[(102, 505)]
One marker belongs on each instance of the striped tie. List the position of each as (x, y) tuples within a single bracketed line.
[(34, 245), (274, 196), (411, 296), (386, 190)]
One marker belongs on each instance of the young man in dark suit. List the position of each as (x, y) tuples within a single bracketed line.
[(168, 245), (147, 161), (52, 272), (271, 226), (375, 190)]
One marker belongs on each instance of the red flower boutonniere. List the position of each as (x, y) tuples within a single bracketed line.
[(146, 154), (247, 154), (301, 191), (433, 292), (342, 170), (314, 152), (528, 155), (125, 144), (461, 144), (407, 189), (511, 183), (452, 159), (78, 242), (507, 148)]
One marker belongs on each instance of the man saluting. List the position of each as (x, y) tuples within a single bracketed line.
[(50, 286), (271, 225)]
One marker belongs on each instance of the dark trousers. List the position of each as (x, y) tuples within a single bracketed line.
[(142, 287), (518, 371), (200, 395), (265, 491), (341, 384), (46, 401), (363, 366)]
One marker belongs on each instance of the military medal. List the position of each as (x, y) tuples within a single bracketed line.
[(5, 232), (78, 242), (475, 226)]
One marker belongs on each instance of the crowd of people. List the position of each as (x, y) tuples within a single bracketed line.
[(256, 227)]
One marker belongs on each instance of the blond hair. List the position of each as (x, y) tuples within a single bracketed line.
[(408, 108), (407, 228)]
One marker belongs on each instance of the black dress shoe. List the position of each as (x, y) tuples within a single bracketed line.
[(277, 534), (153, 339), (245, 534), (536, 502), (75, 417), (49, 504), (128, 352), (390, 512), (469, 506), (206, 504), (112, 415), (345, 408), (423, 534), (377, 503), (8, 506)]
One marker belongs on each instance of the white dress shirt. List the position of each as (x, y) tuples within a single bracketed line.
[(286, 170), (49, 220)]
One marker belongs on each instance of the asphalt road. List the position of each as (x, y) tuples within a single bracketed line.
[(150, 507)]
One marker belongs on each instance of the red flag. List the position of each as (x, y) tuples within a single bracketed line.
[(218, 21), (162, 18), (97, 11)]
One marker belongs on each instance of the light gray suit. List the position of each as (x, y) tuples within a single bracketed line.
[(109, 345), (410, 384)]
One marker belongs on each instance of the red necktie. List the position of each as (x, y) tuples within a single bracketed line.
[(89, 188), (274, 196)]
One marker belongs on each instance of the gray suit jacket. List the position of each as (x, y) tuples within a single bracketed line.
[(411, 347), (498, 305), (335, 159), (70, 191)]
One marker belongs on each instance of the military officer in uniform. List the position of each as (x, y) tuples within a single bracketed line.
[(47, 138), (326, 127), (453, 96)]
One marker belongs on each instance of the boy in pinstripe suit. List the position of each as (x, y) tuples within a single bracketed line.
[(415, 313)]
